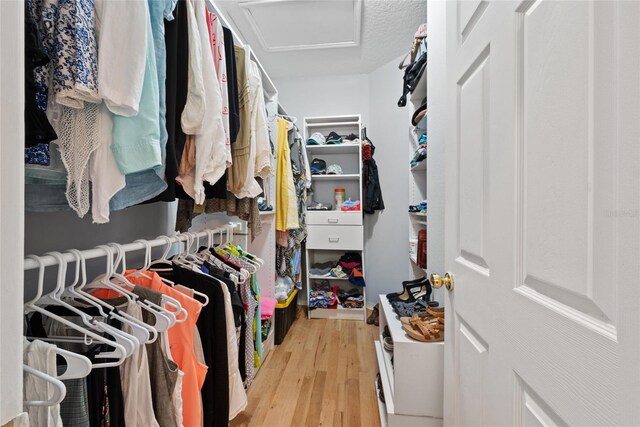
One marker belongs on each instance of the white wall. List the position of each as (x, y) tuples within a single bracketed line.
[(375, 97), (325, 96), (12, 202), (59, 231), (386, 232)]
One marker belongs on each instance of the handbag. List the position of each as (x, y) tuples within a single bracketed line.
[(411, 78)]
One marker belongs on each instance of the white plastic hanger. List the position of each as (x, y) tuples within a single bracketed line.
[(184, 258), (164, 258), (77, 365), (75, 291), (140, 330), (119, 351), (138, 335), (166, 299), (59, 389), (164, 319)]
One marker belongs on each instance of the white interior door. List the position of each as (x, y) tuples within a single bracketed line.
[(542, 212)]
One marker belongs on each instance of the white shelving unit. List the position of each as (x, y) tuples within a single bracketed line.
[(418, 174), (414, 392), (417, 193), (332, 233)]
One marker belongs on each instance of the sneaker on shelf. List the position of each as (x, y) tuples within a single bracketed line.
[(419, 155), (334, 170), (350, 205), (263, 206), (388, 344), (318, 167), (333, 138), (317, 206), (316, 139), (352, 138)]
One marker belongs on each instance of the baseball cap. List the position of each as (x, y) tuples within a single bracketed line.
[(334, 170), (316, 139), (318, 167), (334, 138)]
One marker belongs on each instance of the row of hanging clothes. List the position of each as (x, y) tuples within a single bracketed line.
[(139, 101), (174, 343), (293, 179)]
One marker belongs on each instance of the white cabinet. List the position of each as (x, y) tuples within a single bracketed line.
[(412, 376), (335, 237)]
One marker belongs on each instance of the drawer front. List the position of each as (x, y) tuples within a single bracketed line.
[(333, 218), (335, 237)]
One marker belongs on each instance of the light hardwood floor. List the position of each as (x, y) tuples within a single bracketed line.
[(321, 375)]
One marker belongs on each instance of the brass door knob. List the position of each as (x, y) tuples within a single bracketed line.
[(438, 281)]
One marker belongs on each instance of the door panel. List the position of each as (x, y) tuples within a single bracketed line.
[(561, 194), (531, 410), (543, 212), (469, 13), (472, 360), (473, 131)]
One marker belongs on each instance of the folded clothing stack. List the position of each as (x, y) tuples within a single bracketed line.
[(348, 266), (322, 296), (349, 299)]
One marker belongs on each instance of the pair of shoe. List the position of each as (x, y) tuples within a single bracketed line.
[(425, 327), (388, 344), (412, 290), (380, 390), (263, 206), (374, 317)]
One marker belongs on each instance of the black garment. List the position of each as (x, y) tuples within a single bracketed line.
[(212, 325), (37, 128), (177, 44), (373, 192), (103, 383), (174, 71), (236, 301), (411, 78), (371, 181), (232, 85), (238, 313)]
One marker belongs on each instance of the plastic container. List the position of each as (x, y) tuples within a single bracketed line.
[(285, 315), (339, 197)]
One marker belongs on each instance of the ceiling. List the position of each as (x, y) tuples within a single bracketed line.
[(295, 38)]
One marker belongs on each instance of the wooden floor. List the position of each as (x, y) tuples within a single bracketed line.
[(321, 375)]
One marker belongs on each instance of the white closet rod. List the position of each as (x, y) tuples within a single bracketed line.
[(223, 19), (48, 260)]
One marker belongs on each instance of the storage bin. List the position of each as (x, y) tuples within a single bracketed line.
[(285, 315)]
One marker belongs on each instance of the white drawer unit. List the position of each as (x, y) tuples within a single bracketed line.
[(333, 218), (335, 237)]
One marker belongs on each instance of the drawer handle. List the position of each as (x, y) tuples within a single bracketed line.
[(333, 220), (334, 239)]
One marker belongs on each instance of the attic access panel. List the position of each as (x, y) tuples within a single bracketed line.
[(286, 25)]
